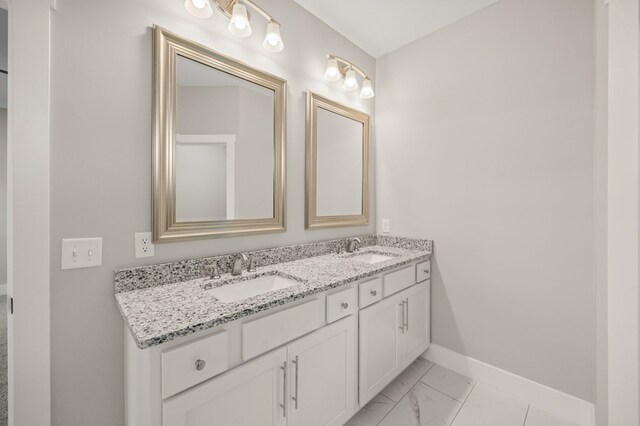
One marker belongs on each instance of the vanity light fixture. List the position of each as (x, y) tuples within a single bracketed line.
[(338, 68), (239, 25)]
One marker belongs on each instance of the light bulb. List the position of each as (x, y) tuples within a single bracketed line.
[(332, 72), (239, 25), (272, 40), (199, 8), (350, 82), (367, 90)]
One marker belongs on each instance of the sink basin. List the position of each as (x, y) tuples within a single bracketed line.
[(250, 288), (371, 258)]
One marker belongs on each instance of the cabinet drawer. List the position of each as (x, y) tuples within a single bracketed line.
[(193, 362), (258, 336), (341, 304), (398, 280), (370, 292), (423, 271)]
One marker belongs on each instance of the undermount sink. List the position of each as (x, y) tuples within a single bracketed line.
[(371, 258), (250, 288)]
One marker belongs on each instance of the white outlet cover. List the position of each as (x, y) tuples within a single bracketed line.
[(144, 244), (385, 225), (81, 253)]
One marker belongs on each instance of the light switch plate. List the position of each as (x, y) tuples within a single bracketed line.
[(81, 253), (144, 245), (385, 226)]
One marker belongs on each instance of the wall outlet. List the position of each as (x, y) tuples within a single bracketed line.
[(385, 226), (144, 246), (81, 253)]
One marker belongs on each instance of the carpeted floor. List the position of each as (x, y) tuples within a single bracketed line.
[(3, 361)]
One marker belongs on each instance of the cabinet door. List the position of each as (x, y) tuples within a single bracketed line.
[(322, 376), (416, 334), (380, 346), (252, 394)]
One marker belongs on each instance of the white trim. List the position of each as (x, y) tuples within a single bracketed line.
[(28, 212), (622, 215), (548, 399), (230, 142)]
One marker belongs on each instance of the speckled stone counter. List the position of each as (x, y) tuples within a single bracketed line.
[(162, 302)]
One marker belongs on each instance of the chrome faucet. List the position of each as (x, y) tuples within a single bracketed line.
[(236, 264), (252, 265), (214, 274), (353, 245)]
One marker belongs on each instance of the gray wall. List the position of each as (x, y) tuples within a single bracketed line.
[(101, 168), (492, 145)]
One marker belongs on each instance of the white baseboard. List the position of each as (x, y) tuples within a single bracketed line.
[(3, 289), (548, 399)]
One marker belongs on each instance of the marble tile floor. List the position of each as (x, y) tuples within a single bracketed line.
[(427, 394)]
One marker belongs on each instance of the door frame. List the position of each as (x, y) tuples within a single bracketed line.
[(623, 213), (28, 216)]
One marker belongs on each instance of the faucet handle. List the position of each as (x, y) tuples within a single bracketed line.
[(252, 265), (214, 273)]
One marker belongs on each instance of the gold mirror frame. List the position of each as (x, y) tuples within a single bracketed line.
[(312, 220), (166, 46)]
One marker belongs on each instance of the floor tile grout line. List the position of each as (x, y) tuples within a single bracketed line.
[(407, 393), (526, 415), (446, 394), (440, 392), (428, 369), (465, 401), (455, 372)]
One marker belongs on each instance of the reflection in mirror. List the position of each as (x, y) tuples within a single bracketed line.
[(224, 145), (337, 164), (219, 144)]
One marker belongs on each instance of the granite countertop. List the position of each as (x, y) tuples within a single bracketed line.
[(164, 312)]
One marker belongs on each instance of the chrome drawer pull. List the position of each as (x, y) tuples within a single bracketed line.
[(407, 314), (344, 305), (200, 364), (284, 389), (373, 292), (295, 398)]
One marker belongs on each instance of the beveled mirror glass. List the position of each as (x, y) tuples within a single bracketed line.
[(337, 191), (219, 146)]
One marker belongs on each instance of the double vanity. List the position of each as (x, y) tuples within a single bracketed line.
[(307, 337), (296, 335)]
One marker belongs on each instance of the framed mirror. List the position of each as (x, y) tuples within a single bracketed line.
[(219, 144), (337, 179)]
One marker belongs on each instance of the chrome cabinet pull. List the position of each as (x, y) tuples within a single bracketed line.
[(402, 326), (295, 398), (344, 305), (200, 364), (407, 314), (374, 292), (284, 389)]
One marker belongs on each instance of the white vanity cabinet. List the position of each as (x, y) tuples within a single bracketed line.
[(393, 333), (380, 347), (312, 362), (322, 376), (252, 394), (309, 382)]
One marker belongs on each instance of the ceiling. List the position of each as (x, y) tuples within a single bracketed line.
[(380, 27)]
